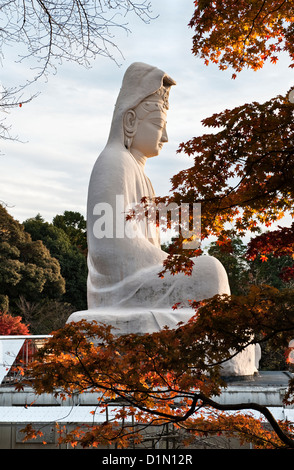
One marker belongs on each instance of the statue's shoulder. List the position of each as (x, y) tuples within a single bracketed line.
[(113, 156)]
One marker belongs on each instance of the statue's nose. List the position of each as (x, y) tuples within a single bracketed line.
[(164, 137)]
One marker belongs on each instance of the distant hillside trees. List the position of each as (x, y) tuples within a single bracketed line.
[(43, 269), (26, 265), (66, 242)]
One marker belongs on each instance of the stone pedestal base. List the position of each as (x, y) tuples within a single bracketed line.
[(137, 321), (141, 321)]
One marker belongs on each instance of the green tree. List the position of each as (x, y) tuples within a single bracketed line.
[(73, 263), (26, 267), (74, 225), (235, 263), (243, 270)]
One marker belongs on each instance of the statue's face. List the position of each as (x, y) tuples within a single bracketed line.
[(150, 135)]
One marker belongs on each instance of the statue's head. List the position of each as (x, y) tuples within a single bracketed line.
[(139, 118), (145, 125)]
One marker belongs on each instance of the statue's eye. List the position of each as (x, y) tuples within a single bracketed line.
[(159, 123)]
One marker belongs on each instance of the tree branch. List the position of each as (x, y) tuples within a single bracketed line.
[(251, 406)]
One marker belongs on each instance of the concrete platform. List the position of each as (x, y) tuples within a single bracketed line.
[(264, 388)]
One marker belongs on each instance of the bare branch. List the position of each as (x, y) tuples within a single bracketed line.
[(48, 32)]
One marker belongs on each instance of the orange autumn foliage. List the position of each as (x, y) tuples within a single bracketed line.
[(171, 376), (242, 34), (12, 325), (241, 174)]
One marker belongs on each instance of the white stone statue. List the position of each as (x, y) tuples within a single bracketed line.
[(124, 258)]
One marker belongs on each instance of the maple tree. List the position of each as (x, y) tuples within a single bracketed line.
[(12, 325), (242, 176), (171, 376), (244, 33), (278, 243)]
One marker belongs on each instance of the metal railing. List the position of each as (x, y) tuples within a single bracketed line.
[(16, 353)]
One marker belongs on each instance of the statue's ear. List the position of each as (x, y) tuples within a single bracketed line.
[(130, 123)]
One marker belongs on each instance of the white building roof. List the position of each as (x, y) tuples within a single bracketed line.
[(49, 414), (82, 414)]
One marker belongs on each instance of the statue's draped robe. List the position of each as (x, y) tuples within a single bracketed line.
[(113, 261)]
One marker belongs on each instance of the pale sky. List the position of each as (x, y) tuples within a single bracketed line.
[(64, 129)]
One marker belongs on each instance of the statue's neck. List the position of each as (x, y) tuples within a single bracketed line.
[(140, 159)]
